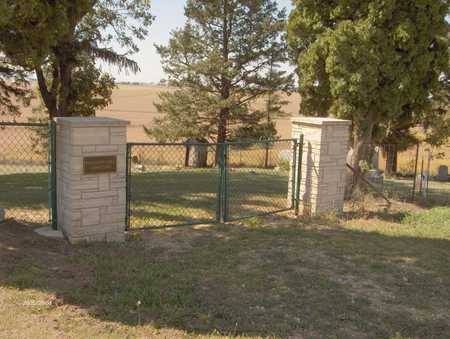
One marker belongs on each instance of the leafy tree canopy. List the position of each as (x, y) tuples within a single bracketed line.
[(54, 38), (374, 62)]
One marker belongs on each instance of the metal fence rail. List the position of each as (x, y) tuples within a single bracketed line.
[(184, 184), (417, 173), (26, 172)]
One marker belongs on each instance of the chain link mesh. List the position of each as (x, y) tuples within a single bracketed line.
[(171, 184), (258, 178), (24, 183), (433, 179), (415, 172), (180, 184)]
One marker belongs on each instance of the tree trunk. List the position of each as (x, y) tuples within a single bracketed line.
[(65, 71), (186, 155), (266, 157), (391, 160), (221, 131), (48, 97), (361, 152), (225, 83)]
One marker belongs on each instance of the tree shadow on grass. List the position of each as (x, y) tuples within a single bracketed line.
[(281, 281), (185, 208)]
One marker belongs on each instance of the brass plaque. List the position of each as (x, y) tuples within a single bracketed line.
[(97, 165)]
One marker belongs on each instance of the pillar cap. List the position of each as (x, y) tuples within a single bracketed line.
[(90, 121), (319, 121)]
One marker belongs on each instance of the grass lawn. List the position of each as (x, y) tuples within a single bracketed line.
[(25, 196), (162, 198), (188, 196), (172, 197), (374, 273), (401, 189)]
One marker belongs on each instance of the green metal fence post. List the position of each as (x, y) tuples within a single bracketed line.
[(413, 193), (294, 172), (49, 176), (219, 215), (222, 195), (225, 184), (52, 173), (127, 186), (298, 177)]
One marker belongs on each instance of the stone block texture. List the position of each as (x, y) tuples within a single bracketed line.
[(90, 207), (325, 147)]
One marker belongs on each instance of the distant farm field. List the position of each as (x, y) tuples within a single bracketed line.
[(135, 103)]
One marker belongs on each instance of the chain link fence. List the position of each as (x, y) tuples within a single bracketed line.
[(195, 183), (171, 184), (25, 182), (433, 180), (258, 178), (418, 173)]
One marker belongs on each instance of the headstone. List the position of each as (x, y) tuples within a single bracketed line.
[(443, 173), (198, 154), (285, 155), (199, 157), (376, 158), (375, 177)]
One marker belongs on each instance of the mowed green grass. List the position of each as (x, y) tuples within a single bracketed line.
[(401, 189), (24, 196), (162, 198), (186, 196), (386, 276)]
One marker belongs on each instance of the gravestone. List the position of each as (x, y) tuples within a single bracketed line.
[(196, 153), (375, 178), (443, 173), (376, 158), (285, 155), (199, 156)]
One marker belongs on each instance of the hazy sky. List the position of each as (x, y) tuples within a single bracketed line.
[(169, 15)]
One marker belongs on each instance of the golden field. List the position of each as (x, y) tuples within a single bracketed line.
[(135, 103)]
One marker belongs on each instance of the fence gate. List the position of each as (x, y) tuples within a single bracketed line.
[(174, 184), (27, 172), (171, 184)]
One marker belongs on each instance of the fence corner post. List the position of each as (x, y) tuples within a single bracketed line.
[(52, 179), (298, 177), (222, 190)]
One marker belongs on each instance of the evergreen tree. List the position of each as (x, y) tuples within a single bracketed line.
[(14, 85), (373, 62), (14, 89), (220, 63)]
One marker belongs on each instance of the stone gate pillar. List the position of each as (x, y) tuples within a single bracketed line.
[(91, 178), (325, 148)]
